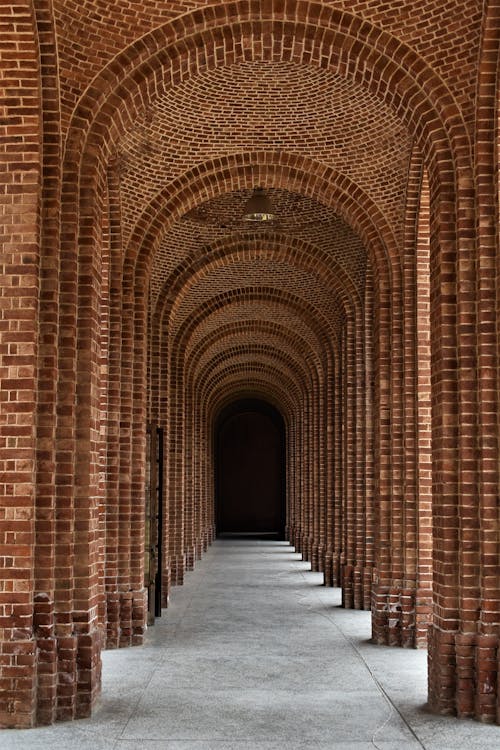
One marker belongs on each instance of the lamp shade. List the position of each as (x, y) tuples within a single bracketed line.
[(258, 207)]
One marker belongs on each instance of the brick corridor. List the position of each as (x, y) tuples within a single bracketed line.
[(142, 307), (254, 654)]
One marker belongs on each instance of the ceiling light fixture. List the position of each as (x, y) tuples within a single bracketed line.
[(258, 207)]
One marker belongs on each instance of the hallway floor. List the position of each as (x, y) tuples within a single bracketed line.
[(254, 654)]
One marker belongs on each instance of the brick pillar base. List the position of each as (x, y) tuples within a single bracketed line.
[(46, 643), (190, 558), (423, 616), (166, 584), (297, 541), (18, 686), (61, 685), (314, 557), (126, 618), (321, 559), (199, 548), (177, 569), (393, 616), (112, 619), (487, 666), (317, 558), (139, 616), (66, 676), (89, 668), (347, 585), (333, 567), (328, 571), (463, 675), (306, 547), (356, 582), (47, 681)]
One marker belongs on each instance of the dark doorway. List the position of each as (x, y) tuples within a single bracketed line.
[(250, 470), (153, 521)]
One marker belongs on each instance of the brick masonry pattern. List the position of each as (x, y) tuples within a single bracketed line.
[(134, 293)]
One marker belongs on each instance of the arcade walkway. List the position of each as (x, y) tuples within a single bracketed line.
[(255, 655)]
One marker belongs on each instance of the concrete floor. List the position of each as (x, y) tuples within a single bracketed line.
[(254, 654)]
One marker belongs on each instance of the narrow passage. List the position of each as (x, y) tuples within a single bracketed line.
[(254, 654)]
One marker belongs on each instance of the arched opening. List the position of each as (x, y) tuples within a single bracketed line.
[(250, 470)]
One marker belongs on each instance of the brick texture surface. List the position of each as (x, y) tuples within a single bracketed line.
[(135, 295)]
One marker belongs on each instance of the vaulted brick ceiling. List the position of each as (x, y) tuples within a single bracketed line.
[(243, 117), (267, 107), (262, 107)]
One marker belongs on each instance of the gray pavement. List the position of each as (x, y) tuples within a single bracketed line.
[(254, 654)]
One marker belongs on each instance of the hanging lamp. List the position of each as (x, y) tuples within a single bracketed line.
[(258, 207)]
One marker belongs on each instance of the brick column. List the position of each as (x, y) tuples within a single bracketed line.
[(44, 610), (19, 257)]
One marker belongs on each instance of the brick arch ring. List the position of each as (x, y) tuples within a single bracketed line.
[(274, 169), (296, 251), (180, 344), (253, 372), (396, 68), (330, 305), (324, 36), (295, 172), (317, 347), (249, 356), (265, 330), (186, 351), (259, 351), (305, 310), (287, 340), (323, 327), (235, 388)]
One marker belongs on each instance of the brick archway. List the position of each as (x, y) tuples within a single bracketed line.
[(134, 292)]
